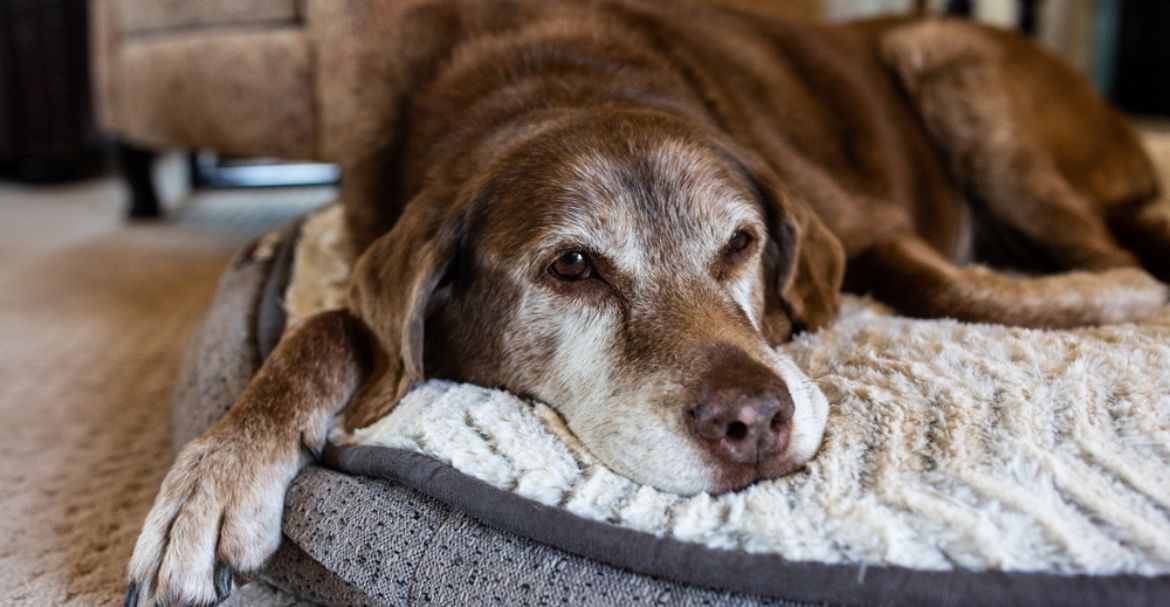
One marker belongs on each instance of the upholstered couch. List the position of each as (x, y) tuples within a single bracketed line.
[(241, 77)]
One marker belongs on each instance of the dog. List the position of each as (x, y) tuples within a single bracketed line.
[(620, 207)]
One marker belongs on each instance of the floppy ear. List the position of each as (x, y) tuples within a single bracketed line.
[(391, 289), (804, 264)]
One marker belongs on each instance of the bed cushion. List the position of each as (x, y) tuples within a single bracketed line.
[(396, 519)]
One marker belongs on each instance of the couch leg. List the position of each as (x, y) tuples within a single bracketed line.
[(135, 164), (959, 8)]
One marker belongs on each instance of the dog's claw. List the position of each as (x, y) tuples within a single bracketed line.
[(314, 452), (131, 599), (223, 581)]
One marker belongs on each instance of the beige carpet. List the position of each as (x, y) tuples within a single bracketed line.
[(93, 316)]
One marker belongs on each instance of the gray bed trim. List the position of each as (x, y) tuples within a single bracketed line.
[(758, 574)]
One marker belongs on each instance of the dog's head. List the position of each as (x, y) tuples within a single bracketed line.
[(632, 273)]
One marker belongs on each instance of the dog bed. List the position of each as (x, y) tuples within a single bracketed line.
[(963, 464)]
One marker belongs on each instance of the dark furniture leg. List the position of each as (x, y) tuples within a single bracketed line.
[(960, 8), (1029, 16), (135, 163)]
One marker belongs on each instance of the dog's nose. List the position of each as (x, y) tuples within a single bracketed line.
[(744, 429), (743, 412)]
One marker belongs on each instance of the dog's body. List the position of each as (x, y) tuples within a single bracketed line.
[(619, 208)]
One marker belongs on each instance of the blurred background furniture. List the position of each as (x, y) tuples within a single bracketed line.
[(46, 125), (234, 77), (1140, 81)]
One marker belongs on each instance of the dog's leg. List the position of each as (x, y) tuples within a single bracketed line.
[(914, 278), (985, 113), (219, 509), (1145, 229)]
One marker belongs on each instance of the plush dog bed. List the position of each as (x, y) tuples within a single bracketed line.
[(963, 464)]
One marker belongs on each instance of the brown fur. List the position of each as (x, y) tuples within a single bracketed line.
[(491, 136), (839, 129)]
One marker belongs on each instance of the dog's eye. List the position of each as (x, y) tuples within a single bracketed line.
[(738, 242), (572, 265)]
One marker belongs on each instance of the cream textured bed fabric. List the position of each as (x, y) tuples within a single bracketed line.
[(948, 446)]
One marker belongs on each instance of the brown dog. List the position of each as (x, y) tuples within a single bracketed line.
[(620, 207)]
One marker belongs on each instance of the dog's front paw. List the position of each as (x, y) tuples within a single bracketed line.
[(217, 515)]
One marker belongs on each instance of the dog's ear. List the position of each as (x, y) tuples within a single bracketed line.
[(804, 264), (391, 289)]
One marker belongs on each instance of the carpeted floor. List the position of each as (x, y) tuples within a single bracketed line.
[(94, 313)]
